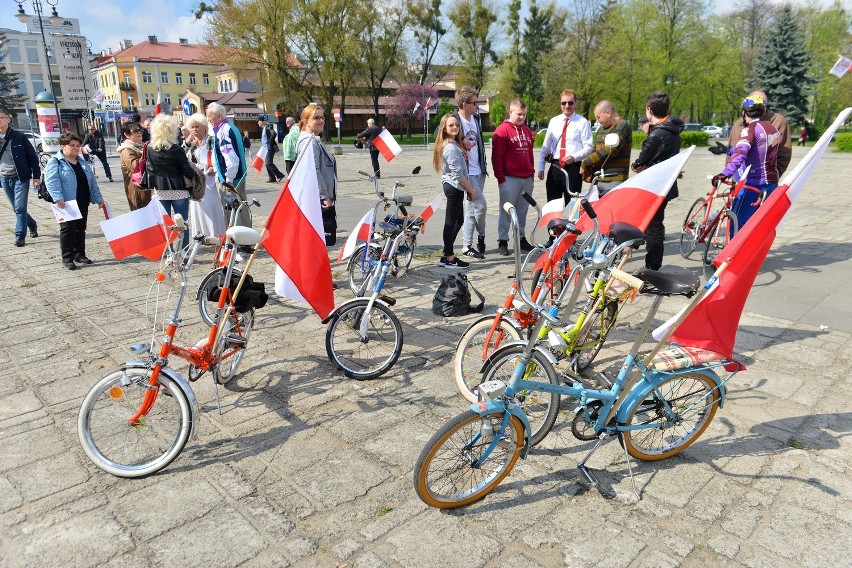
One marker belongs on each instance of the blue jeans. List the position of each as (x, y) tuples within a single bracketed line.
[(742, 206), (181, 206), (17, 192)]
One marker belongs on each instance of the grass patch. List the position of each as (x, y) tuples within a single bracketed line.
[(794, 443), (383, 511), (28, 285)]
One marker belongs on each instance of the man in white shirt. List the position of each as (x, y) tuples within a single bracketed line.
[(569, 140), (474, 216)]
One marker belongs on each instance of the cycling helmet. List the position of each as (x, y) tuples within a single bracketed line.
[(754, 106)]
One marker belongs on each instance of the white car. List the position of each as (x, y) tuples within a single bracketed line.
[(713, 131), (34, 139)]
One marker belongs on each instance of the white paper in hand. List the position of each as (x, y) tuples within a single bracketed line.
[(71, 212)]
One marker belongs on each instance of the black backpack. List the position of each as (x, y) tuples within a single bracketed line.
[(453, 297), (42, 186)]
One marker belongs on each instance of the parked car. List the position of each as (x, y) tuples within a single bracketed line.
[(691, 126), (34, 139), (714, 131)]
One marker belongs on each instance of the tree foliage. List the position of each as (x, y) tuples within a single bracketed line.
[(428, 29), (537, 40), (474, 24), (383, 50), (9, 98), (408, 106)]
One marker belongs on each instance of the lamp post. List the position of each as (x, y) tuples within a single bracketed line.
[(36, 4), (79, 56)]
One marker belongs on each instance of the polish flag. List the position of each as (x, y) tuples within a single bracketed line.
[(637, 199), (142, 232), (361, 232), (386, 144), (713, 323), (427, 213), (553, 209), (158, 108), (260, 159), (295, 239), (841, 67)]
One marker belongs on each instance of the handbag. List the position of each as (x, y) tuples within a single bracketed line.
[(139, 175), (453, 297), (196, 185)]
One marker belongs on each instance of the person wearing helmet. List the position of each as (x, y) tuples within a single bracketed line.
[(757, 148), (785, 147)]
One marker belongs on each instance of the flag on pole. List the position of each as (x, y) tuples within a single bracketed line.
[(432, 208), (361, 232), (142, 232), (637, 199), (841, 67), (713, 323), (416, 106), (157, 108), (386, 144), (260, 159), (295, 239), (98, 97), (553, 209)]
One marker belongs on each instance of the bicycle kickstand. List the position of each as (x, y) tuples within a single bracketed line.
[(630, 469), (582, 465), (216, 392)]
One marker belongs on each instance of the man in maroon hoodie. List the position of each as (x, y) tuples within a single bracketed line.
[(512, 160)]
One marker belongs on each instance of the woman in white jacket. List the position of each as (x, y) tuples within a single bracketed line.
[(206, 216)]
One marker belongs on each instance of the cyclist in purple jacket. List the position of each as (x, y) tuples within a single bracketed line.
[(758, 148)]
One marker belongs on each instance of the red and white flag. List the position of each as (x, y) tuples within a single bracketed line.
[(142, 232), (260, 159), (637, 199), (386, 144), (553, 209), (431, 208), (713, 323), (361, 232), (841, 67), (158, 108), (295, 239)]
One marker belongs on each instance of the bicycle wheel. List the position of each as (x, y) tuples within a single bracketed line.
[(474, 347), (692, 399), (587, 347), (364, 357), (215, 279), (405, 254), (541, 408), (126, 450), (233, 338), (445, 475), (725, 229), (359, 267), (692, 227)]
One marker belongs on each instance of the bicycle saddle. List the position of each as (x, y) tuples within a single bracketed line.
[(621, 232), (404, 200), (232, 200), (392, 228), (243, 236), (669, 281)]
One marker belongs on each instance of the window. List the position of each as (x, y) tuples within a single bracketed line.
[(13, 48), (21, 89), (126, 77), (146, 77), (37, 80), (164, 78), (205, 78), (57, 87), (167, 99), (192, 78), (179, 78), (129, 99), (221, 86), (32, 50)]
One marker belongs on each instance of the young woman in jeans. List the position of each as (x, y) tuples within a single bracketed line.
[(450, 159)]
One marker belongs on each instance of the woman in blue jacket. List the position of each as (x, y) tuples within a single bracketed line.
[(68, 178)]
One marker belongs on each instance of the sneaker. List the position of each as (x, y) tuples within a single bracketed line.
[(82, 259), (456, 263), (472, 253), (480, 244), (503, 248), (19, 242), (525, 245), (69, 264), (34, 232)]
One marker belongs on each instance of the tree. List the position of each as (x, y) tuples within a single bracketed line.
[(382, 39), (9, 99), (408, 106), (537, 40), (498, 113), (783, 68), (427, 26), (474, 24)]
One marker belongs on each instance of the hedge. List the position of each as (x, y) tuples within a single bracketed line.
[(843, 142)]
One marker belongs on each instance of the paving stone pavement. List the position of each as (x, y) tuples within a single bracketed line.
[(307, 468)]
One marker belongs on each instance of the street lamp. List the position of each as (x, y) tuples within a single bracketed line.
[(36, 4), (79, 56)]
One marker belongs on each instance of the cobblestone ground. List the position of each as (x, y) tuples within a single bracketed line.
[(307, 468)]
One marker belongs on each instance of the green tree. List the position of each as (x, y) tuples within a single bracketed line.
[(473, 22), (428, 28), (783, 68), (382, 41), (9, 99), (536, 41), (498, 113)]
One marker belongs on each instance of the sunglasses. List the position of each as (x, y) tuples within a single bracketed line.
[(136, 131), (569, 103)]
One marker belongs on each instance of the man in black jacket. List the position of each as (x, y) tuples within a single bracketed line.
[(367, 138), (270, 139), (662, 142), (18, 165), (97, 146)]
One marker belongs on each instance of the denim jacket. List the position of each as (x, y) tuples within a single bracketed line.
[(62, 182)]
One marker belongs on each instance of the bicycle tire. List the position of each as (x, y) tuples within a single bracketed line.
[(454, 448), (541, 408), (407, 255), (658, 439), (587, 348), (364, 358), (215, 278), (224, 373), (726, 227), (124, 450), (360, 268), (468, 360), (692, 226)]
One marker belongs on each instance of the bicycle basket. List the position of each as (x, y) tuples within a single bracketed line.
[(252, 295)]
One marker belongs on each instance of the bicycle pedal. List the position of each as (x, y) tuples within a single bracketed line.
[(236, 341)]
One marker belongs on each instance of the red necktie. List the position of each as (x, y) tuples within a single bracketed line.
[(562, 144)]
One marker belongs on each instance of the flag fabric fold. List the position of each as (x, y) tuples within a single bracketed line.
[(430, 210), (553, 209), (158, 107), (295, 239), (841, 67), (361, 232), (260, 159), (386, 145), (142, 232)]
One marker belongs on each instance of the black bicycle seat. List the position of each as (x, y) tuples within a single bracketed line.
[(232, 200), (404, 200), (621, 232), (391, 228), (669, 281)]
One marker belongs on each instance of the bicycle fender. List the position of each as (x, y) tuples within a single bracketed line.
[(510, 320), (487, 364), (649, 380), (181, 383), (485, 408), (337, 309)]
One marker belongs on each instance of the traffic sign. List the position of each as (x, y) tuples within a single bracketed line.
[(338, 117), (187, 107)]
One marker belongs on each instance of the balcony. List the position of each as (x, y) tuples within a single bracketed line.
[(127, 86), (131, 108)]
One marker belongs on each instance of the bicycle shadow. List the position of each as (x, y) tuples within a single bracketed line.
[(808, 257)]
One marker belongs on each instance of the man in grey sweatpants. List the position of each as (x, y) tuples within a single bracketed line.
[(474, 216)]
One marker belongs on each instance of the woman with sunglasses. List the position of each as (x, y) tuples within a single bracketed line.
[(129, 153), (569, 140)]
